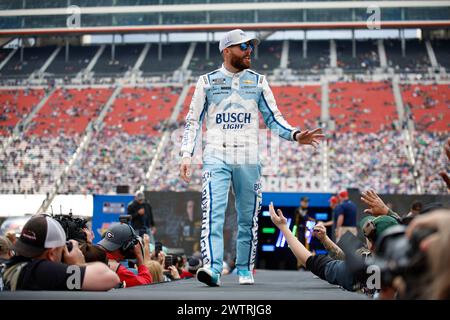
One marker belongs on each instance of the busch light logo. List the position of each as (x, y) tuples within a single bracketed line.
[(233, 120)]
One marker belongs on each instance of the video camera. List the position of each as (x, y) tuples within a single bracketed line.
[(73, 227), (127, 249), (395, 256), (125, 218)]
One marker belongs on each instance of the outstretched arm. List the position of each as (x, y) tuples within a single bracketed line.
[(301, 253)]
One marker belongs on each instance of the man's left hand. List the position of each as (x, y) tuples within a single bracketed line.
[(310, 137)]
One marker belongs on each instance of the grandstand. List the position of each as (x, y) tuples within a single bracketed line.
[(82, 116)]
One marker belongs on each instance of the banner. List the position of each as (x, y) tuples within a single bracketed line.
[(292, 184), (107, 210)]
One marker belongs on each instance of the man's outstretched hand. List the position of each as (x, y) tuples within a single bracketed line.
[(310, 137)]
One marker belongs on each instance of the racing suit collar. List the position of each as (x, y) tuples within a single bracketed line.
[(231, 74)]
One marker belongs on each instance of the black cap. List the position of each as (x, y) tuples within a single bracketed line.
[(41, 232)]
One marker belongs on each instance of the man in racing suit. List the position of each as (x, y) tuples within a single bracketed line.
[(230, 99)]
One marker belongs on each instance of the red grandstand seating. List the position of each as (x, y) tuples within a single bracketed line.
[(141, 110), (300, 105), (362, 107), (16, 104), (68, 111), (186, 104), (429, 105)]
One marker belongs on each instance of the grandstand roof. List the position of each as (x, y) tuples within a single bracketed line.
[(169, 16)]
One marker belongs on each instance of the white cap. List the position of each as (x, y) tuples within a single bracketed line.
[(235, 36)]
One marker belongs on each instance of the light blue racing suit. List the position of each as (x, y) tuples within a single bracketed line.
[(230, 103)]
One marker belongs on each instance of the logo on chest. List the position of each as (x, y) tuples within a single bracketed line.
[(233, 120)]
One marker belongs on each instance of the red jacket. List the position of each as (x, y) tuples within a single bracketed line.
[(185, 274), (131, 279)]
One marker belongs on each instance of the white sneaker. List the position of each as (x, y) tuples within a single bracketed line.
[(245, 277)]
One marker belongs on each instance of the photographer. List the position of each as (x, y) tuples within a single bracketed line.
[(121, 242), (326, 268), (44, 261)]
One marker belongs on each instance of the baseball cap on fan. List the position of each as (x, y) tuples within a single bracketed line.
[(236, 36), (41, 232), (116, 236)]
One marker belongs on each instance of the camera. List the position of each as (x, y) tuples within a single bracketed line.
[(125, 218), (396, 256), (73, 227), (168, 261)]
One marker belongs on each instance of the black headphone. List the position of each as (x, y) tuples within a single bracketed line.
[(131, 242)]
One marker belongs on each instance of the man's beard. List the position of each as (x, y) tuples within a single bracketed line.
[(239, 63)]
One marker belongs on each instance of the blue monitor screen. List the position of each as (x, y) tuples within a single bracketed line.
[(322, 216)]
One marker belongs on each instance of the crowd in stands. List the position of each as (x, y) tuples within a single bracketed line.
[(16, 105), (32, 164), (375, 160), (430, 160), (366, 56), (427, 105), (166, 175), (112, 158), (415, 58), (121, 153)]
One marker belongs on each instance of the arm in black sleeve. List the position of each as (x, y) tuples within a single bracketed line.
[(332, 271), (132, 209)]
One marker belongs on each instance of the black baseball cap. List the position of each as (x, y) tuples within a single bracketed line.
[(41, 232), (116, 236)]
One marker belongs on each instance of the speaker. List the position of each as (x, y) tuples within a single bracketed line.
[(122, 189)]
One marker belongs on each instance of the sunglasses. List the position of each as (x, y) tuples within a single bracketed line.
[(244, 46)]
